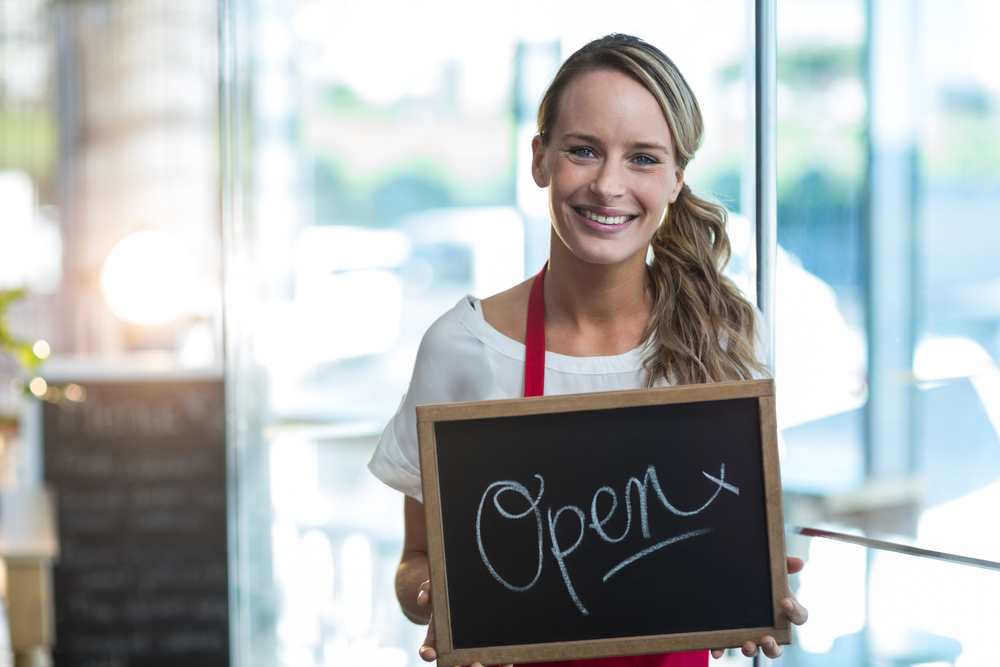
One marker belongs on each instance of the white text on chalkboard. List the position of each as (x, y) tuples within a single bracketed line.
[(597, 522)]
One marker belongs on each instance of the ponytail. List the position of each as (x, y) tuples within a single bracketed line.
[(702, 328)]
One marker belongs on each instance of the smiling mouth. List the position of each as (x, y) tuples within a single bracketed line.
[(605, 220)]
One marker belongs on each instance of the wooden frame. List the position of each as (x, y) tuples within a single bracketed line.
[(430, 415)]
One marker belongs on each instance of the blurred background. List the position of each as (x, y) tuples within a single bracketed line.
[(293, 191)]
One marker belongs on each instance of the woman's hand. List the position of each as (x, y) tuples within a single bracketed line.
[(427, 650), (795, 612)]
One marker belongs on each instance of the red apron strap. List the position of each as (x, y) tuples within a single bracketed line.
[(534, 345), (534, 385)]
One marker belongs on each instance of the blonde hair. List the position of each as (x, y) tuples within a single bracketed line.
[(702, 328)]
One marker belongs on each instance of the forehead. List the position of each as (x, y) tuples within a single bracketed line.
[(612, 106)]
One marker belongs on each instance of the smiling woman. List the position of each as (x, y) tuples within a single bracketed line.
[(610, 170), (616, 128)]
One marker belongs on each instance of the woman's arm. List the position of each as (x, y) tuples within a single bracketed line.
[(413, 589), (413, 570)]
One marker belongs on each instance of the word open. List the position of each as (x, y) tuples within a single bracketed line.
[(497, 490)]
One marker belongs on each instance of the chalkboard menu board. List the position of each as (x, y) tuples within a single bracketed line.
[(139, 471), (604, 524)]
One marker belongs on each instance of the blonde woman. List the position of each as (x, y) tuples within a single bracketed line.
[(616, 128)]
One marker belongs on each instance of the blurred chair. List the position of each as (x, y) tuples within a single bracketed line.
[(29, 544)]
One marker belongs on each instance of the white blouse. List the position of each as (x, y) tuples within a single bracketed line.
[(462, 358)]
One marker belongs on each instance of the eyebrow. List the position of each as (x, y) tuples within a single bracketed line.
[(640, 145)]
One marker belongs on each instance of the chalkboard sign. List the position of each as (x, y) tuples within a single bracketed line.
[(592, 525), (139, 471)]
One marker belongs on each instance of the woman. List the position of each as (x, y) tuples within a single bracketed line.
[(616, 129)]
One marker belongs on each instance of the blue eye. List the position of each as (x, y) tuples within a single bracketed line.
[(582, 152), (644, 159)]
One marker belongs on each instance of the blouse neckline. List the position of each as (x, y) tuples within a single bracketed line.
[(470, 313)]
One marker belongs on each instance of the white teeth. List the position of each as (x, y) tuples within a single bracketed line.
[(616, 220)]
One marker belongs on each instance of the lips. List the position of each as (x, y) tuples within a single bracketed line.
[(605, 223), (606, 220)]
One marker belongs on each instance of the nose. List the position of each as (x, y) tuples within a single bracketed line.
[(609, 181)]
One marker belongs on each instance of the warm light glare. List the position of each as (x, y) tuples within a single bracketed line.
[(38, 387), (148, 278), (41, 349), (75, 393), (17, 386)]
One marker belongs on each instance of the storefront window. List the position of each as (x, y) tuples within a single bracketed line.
[(387, 175), (888, 196)]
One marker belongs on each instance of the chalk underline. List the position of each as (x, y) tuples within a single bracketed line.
[(646, 552)]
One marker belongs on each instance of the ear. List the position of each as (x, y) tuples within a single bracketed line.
[(537, 159), (677, 185)]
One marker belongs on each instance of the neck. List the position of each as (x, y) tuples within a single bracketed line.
[(594, 305)]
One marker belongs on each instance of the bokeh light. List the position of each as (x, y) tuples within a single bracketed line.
[(75, 393), (38, 387), (148, 278), (41, 349)]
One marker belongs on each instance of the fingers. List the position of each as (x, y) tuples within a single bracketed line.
[(426, 651), (427, 654), (424, 594), (795, 612), (771, 648)]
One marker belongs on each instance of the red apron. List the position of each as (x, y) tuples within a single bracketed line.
[(534, 385)]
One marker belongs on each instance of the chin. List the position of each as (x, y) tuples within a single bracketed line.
[(606, 257)]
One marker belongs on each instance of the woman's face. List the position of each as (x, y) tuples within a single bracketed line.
[(609, 167)]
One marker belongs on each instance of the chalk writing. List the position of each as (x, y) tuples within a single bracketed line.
[(646, 552), (561, 554), (532, 507), (129, 417), (190, 641), (140, 470), (560, 551)]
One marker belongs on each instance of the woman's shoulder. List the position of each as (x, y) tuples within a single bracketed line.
[(462, 358), (507, 311), (449, 329), (457, 343)]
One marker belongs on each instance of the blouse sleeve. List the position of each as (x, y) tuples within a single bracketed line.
[(450, 367)]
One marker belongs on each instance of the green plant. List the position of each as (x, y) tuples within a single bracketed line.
[(20, 350)]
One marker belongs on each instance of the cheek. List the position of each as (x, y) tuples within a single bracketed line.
[(656, 197), (561, 183)]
